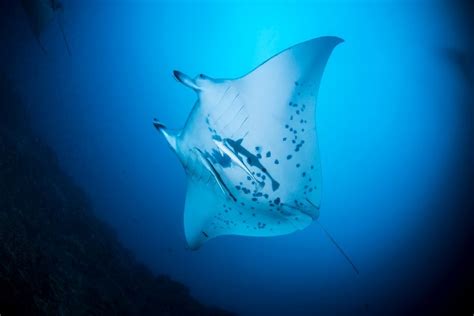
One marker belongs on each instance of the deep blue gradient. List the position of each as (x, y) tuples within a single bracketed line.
[(389, 124)]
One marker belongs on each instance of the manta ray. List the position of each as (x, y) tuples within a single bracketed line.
[(250, 150), (40, 14)]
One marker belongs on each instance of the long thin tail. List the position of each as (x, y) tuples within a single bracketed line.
[(66, 42), (41, 45), (338, 247)]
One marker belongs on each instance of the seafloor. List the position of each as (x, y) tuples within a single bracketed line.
[(56, 257)]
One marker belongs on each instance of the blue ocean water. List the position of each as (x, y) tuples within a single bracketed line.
[(390, 128)]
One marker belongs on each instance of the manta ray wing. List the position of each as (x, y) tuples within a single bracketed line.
[(280, 97)]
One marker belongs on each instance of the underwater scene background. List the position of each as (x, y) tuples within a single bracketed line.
[(395, 128)]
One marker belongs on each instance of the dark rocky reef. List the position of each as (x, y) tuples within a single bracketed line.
[(56, 257)]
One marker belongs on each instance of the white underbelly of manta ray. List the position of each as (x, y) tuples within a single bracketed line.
[(250, 150)]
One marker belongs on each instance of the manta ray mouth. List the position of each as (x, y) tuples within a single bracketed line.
[(185, 79)]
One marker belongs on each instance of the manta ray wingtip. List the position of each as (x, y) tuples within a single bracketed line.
[(194, 243), (336, 40), (332, 41)]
